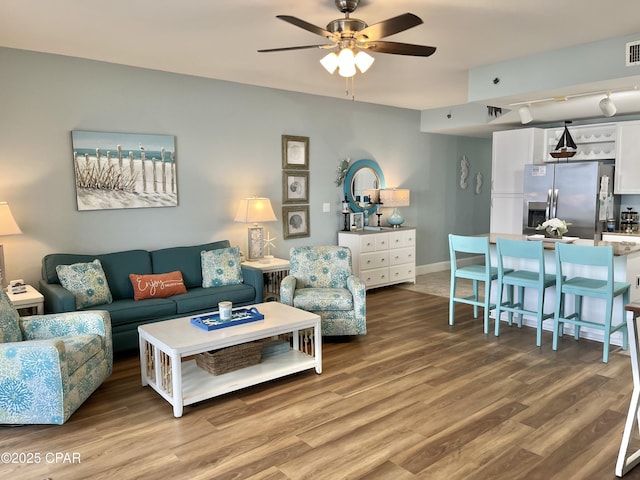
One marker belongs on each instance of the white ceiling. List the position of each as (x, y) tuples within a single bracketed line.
[(219, 38)]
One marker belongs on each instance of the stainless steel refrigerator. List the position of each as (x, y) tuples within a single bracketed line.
[(571, 192)]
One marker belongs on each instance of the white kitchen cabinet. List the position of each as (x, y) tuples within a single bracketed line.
[(384, 257), (511, 151), (627, 174), (506, 214)]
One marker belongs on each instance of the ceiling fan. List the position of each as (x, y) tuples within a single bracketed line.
[(352, 37)]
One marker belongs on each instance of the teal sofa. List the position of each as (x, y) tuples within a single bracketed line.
[(125, 312)]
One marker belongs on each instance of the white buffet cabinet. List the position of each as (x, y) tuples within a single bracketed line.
[(382, 257)]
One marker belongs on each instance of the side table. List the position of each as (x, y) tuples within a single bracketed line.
[(26, 302), (273, 271)]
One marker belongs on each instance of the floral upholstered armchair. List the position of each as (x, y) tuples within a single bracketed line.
[(320, 281), (50, 364)]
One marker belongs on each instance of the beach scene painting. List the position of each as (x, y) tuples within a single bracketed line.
[(124, 170)]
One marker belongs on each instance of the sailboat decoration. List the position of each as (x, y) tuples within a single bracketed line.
[(566, 147)]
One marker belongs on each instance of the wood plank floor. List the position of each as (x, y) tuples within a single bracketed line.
[(413, 399)]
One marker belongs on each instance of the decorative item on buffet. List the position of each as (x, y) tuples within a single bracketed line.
[(346, 211)]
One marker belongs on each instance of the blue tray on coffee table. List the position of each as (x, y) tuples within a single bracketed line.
[(238, 317)]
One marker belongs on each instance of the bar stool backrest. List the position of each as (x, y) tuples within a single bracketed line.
[(520, 249), (473, 245), (593, 256)]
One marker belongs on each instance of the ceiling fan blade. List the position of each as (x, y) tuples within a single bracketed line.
[(401, 48), (389, 27), (305, 25), (302, 47)]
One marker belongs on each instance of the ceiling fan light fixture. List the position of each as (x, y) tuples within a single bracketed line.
[(363, 61), (608, 107), (346, 63), (330, 62)]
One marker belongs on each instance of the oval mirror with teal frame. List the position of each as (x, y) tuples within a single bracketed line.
[(362, 175)]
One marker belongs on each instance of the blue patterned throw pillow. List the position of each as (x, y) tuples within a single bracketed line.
[(9, 326), (87, 282), (221, 267)]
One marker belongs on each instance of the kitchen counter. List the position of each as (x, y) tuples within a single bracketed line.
[(619, 248), (626, 265), (623, 233)]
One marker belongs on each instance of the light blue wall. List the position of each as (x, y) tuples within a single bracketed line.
[(228, 140), (580, 64)]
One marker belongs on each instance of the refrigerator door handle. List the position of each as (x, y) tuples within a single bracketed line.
[(548, 209), (555, 203)]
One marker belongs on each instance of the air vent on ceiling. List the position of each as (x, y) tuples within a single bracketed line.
[(633, 53)]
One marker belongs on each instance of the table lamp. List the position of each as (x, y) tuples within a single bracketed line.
[(8, 226), (255, 210), (395, 197)]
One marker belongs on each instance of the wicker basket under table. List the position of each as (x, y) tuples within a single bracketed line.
[(229, 359)]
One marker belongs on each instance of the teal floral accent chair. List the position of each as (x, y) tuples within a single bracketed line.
[(50, 364), (320, 281)]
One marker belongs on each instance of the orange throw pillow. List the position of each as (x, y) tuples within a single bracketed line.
[(161, 285)]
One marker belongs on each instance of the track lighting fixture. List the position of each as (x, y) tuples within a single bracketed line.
[(607, 106), (525, 114)]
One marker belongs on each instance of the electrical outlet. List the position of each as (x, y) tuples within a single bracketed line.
[(326, 207)]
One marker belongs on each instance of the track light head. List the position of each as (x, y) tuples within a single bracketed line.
[(525, 114), (607, 106)]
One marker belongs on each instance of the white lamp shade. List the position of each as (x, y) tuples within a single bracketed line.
[(8, 225), (330, 62), (254, 210), (346, 63), (364, 61), (395, 197), (525, 114), (608, 107)]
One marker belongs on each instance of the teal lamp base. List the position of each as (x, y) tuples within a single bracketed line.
[(395, 219)]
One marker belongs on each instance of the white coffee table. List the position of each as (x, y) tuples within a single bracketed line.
[(163, 345)]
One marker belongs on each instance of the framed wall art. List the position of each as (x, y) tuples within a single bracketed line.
[(296, 221), (357, 219), (255, 243), (124, 170), (295, 152), (295, 186)]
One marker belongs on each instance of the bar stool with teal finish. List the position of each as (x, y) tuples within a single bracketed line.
[(483, 272), (535, 277), (605, 289)]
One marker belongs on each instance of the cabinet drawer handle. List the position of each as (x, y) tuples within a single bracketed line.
[(368, 262)]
